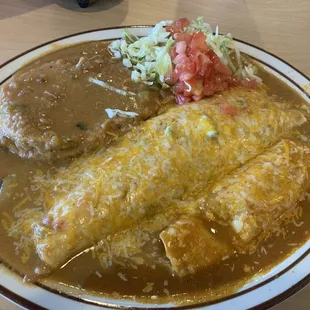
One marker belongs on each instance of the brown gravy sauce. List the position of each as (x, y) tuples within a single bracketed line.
[(83, 272)]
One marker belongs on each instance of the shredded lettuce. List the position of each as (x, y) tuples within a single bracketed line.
[(249, 72), (163, 63), (148, 56)]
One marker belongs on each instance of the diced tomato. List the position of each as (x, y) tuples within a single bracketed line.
[(233, 81), (213, 57), (229, 109), (203, 59), (173, 52), (199, 42), (195, 86), (192, 87), (181, 59), (178, 25), (198, 71), (221, 68), (219, 79), (248, 83), (182, 37), (179, 87), (186, 75), (209, 88), (181, 47), (204, 64), (198, 88), (221, 86), (185, 72), (180, 99), (207, 75)]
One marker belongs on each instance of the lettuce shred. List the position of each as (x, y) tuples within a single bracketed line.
[(148, 56)]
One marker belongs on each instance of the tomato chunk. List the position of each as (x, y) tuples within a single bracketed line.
[(178, 25), (229, 109), (181, 59), (181, 47), (173, 52), (209, 88), (221, 68), (202, 61), (185, 71), (199, 42), (193, 87), (179, 87), (182, 37), (248, 83)]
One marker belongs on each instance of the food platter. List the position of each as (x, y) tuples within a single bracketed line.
[(263, 291)]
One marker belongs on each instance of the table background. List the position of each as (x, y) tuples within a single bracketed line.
[(279, 26)]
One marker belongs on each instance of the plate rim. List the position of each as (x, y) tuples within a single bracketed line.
[(136, 26), (264, 305)]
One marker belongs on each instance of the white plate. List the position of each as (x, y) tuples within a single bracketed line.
[(279, 283)]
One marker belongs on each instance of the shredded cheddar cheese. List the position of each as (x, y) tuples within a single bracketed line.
[(148, 169)]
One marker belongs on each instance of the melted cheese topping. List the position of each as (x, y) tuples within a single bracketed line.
[(256, 196), (169, 157)]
